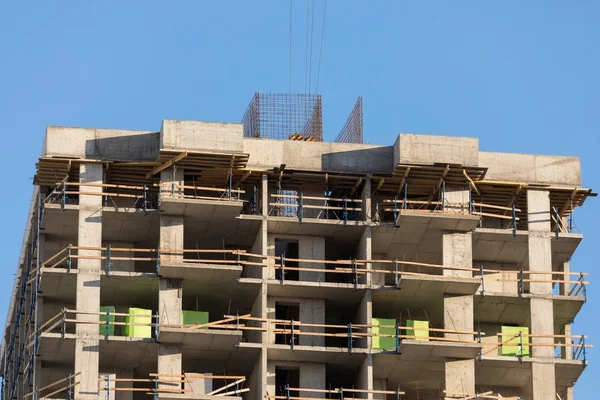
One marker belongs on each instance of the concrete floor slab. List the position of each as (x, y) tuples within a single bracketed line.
[(186, 396), (502, 308), (437, 285), (434, 220), (341, 293), (200, 339), (318, 354), (204, 272), (201, 207), (432, 350)]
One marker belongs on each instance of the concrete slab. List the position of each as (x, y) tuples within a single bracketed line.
[(200, 271), (186, 396), (200, 339), (437, 285), (328, 228), (432, 350), (316, 354), (225, 208), (500, 308), (342, 293), (436, 220), (509, 371), (118, 224)]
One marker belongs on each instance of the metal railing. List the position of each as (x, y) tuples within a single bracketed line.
[(323, 207)]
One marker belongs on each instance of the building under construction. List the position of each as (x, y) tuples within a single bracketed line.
[(256, 261)]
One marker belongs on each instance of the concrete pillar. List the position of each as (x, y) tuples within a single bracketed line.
[(563, 287), (460, 376), (257, 381), (312, 311), (171, 181), (542, 309), (567, 351), (171, 238), (88, 282), (364, 379), (365, 317), (569, 394), (169, 362), (170, 357), (457, 198), (366, 199), (457, 251), (364, 252), (312, 376), (264, 195)]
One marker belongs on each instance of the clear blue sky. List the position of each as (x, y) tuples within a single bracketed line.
[(521, 76)]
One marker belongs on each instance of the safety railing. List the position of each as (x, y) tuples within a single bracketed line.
[(301, 206), (143, 197), (476, 396), (572, 283), (157, 384), (291, 393), (65, 385), (199, 192), (575, 345), (563, 225), (354, 270), (64, 322), (393, 207)]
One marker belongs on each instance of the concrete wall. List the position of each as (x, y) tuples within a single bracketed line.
[(312, 376), (201, 136), (312, 311), (429, 149), (309, 247), (532, 168), (344, 157), (101, 144)]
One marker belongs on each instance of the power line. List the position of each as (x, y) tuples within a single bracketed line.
[(290, 46), (321, 49), (312, 24), (306, 50)]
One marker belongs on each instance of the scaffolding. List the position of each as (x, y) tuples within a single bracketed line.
[(284, 116), (352, 132)]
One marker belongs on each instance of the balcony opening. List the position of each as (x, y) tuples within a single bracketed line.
[(287, 377), (287, 312), (288, 249)]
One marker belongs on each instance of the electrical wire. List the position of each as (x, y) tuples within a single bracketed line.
[(321, 47)]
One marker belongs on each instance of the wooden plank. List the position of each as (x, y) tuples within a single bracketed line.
[(166, 165)]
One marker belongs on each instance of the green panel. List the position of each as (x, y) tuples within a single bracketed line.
[(513, 348), (107, 329), (384, 343), (137, 330), (421, 331), (194, 317)]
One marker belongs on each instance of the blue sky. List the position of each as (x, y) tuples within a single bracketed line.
[(520, 76)]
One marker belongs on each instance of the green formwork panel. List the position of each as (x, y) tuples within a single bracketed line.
[(420, 329), (107, 327), (134, 321), (384, 343), (194, 317), (513, 347)]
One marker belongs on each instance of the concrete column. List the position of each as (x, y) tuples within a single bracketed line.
[(365, 316), (312, 376), (457, 251), (542, 309), (88, 282), (460, 376), (364, 380), (171, 238), (567, 351), (569, 394), (170, 181), (264, 195), (366, 199), (564, 287), (169, 302), (457, 198), (364, 252), (312, 311), (257, 382), (169, 362)]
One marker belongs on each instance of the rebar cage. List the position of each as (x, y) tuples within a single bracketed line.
[(284, 116), (352, 132)]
